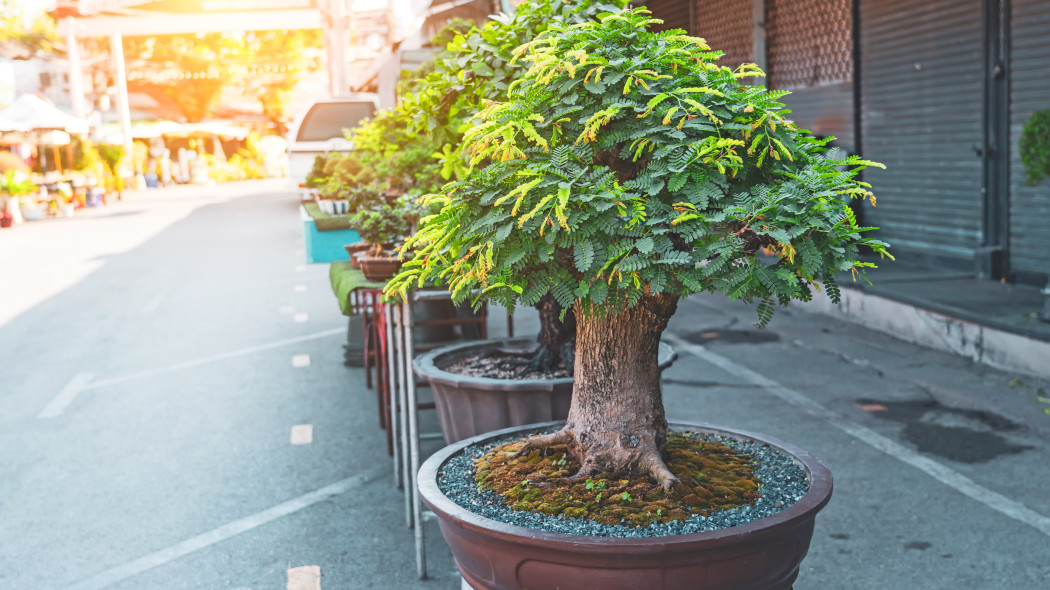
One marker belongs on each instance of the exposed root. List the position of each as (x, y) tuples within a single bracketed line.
[(544, 441), (654, 465), (649, 462), (583, 473)]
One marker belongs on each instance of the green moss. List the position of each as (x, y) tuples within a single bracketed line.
[(713, 478), (574, 512)]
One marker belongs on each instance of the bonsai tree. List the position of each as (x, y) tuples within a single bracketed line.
[(625, 170), (380, 224)]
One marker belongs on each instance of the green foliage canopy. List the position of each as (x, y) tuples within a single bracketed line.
[(419, 143), (627, 162)]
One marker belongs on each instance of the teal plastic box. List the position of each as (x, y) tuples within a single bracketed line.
[(325, 246)]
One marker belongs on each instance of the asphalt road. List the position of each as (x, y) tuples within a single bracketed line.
[(160, 356)]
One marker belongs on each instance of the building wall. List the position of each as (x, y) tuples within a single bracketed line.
[(1029, 92), (809, 51), (727, 26), (676, 14)]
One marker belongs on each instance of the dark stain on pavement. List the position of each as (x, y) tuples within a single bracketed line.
[(722, 336), (702, 383), (966, 436), (918, 545), (840, 536)]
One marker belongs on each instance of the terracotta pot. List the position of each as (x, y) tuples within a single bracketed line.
[(355, 250), (378, 268), (469, 406), (762, 555)]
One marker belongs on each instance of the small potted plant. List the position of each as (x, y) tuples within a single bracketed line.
[(625, 170), (14, 186), (362, 198), (379, 226)]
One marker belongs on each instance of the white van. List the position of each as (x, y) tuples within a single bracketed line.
[(321, 128)]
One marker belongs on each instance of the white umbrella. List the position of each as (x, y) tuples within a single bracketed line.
[(30, 112), (6, 126)]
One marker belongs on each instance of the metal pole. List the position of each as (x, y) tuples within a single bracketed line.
[(391, 390), (412, 408), (405, 372), (758, 38), (116, 47), (76, 74), (336, 41)]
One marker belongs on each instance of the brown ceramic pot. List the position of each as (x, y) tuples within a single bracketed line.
[(379, 268), (762, 555), (355, 250), (468, 406)]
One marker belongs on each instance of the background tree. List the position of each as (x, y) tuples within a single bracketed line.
[(626, 170), (194, 70), (290, 55), (30, 33), (477, 66)]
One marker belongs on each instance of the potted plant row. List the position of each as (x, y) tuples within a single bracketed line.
[(624, 170), (379, 226)]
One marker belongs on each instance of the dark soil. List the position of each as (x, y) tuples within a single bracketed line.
[(713, 478), (501, 364)]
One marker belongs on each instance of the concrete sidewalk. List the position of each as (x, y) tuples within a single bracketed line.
[(992, 323)]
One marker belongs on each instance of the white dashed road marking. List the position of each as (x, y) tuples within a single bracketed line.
[(301, 360), (123, 572), (300, 268), (217, 357), (300, 288), (286, 309), (66, 396), (302, 434), (307, 577), (301, 317)]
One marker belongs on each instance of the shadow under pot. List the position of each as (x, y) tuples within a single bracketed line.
[(468, 406)]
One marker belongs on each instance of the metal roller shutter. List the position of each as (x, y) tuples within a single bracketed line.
[(1029, 92), (922, 85)]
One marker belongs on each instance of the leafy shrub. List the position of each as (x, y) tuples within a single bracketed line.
[(1035, 147), (381, 224), (418, 145), (316, 177)]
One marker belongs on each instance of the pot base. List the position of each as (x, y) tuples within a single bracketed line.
[(764, 554)]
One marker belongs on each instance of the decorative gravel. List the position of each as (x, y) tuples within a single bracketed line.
[(783, 483), (499, 365)]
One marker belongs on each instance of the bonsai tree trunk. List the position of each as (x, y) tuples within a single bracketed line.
[(616, 420), (557, 337)]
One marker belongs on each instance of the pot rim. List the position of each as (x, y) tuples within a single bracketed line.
[(425, 366), (815, 498)]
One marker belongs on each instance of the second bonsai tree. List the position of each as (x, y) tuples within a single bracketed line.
[(626, 170)]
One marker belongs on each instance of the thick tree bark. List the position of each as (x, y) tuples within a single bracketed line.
[(557, 337), (616, 420)]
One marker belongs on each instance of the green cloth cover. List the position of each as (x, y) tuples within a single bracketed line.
[(345, 279)]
